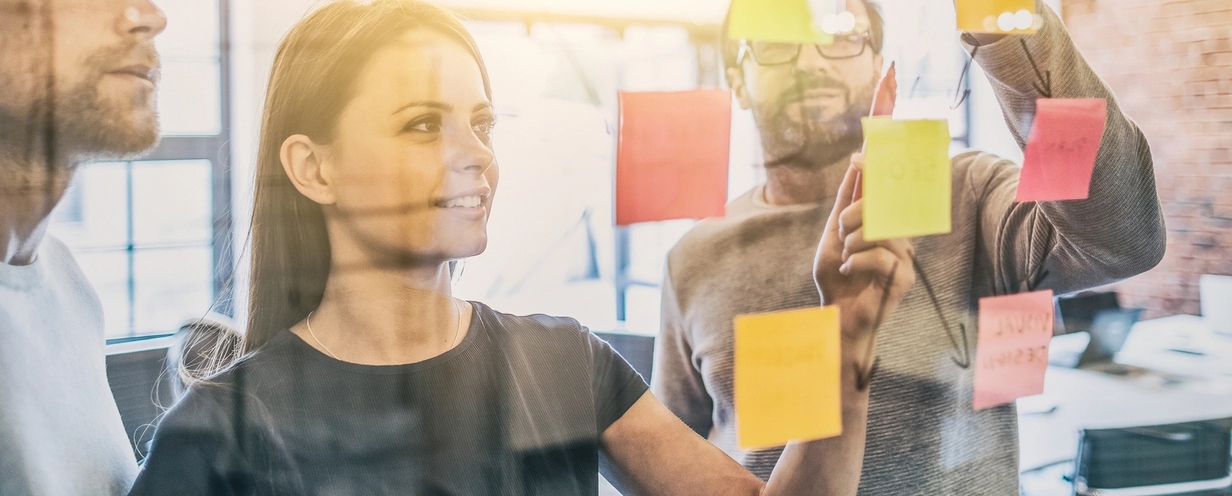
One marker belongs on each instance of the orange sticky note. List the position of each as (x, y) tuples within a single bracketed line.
[(1060, 156), (671, 161), (1012, 353), (787, 373), (997, 16)]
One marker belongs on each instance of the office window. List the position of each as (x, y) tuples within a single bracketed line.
[(152, 234), (553, 247)]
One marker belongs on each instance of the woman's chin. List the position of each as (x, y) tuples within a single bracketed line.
[(472, 249)]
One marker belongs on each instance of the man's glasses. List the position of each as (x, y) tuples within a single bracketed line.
[(773, 53)]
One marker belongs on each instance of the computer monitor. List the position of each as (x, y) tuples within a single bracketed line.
[(1078, 311), (1108, 334)]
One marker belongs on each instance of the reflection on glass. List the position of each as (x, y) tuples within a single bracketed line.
[(188, 98), (192, 29), (171, 285), (94, 211), (171, 202)]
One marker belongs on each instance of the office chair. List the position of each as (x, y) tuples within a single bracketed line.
[(1188, 458), (637, 349)]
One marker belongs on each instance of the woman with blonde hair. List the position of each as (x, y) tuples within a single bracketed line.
[(362, 373)]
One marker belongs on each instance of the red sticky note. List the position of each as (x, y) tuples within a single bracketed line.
[(1061, 149), (1012, 353), (672, 157)]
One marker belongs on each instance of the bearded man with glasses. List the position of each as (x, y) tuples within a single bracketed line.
[(923, 436)]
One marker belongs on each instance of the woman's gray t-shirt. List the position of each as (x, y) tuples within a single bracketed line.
[(516, 408)]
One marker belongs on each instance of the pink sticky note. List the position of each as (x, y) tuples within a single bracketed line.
[(1012, 354), (671, 161), (1061, 149)]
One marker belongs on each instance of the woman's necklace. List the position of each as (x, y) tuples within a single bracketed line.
[(452, 342)]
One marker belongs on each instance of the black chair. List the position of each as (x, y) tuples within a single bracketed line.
[(1191, 458), (637, 349), (135, 374)]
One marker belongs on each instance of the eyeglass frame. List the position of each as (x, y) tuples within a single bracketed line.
[(745, 48)]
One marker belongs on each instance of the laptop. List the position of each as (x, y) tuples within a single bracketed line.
[(1109, 330)]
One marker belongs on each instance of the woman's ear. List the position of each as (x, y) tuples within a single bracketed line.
[(305, 164)]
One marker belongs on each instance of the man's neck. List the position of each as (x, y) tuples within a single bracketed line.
[(791, 185), (28, 194)]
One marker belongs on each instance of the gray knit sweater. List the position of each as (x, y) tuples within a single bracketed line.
[(923, 436)]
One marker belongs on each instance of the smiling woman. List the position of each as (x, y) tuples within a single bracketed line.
[(363, 374)]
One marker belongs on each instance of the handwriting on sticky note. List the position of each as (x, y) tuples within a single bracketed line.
[(672, 156), (1012, 352), (997, 16), (906, 178), (1061, 150), (787, 373), (783, 21)]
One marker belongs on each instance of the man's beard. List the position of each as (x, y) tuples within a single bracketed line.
[(64, 124), (815, 141)]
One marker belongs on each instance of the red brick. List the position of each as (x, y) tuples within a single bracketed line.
[(1182, 101)]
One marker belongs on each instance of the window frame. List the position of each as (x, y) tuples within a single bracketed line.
[(217, 150)]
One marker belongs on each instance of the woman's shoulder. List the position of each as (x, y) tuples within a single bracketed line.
[(247, 373), (529, 326), (543, 343)]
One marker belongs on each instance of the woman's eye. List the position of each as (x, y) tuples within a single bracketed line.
[(427, 124), (483, 127)]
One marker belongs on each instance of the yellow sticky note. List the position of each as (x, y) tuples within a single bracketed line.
[(787, 375), (786, 21), (997, 16), (906, 178)]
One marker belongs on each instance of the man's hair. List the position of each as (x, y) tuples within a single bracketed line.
[(876, 33)]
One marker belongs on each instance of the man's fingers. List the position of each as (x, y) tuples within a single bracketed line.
[(877, 263), (851, 219), (845, 192), (855, 243)]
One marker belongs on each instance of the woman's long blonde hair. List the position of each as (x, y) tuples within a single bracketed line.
[(312, 80)]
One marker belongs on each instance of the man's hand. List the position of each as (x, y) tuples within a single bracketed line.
[(856, 274)]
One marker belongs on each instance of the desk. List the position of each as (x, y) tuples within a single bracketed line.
[(1182, 387), (1153, 344)]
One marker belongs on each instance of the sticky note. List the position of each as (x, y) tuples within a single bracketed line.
[(784, 21), (906, 178), (1012, 351), (997, 16), (787, 377), (672, 156), (1061, 149)]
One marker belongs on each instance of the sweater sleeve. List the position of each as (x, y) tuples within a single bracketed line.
[(1066, 246), (676, 381)]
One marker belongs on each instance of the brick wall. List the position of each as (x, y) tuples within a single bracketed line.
[(1170, 64)]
